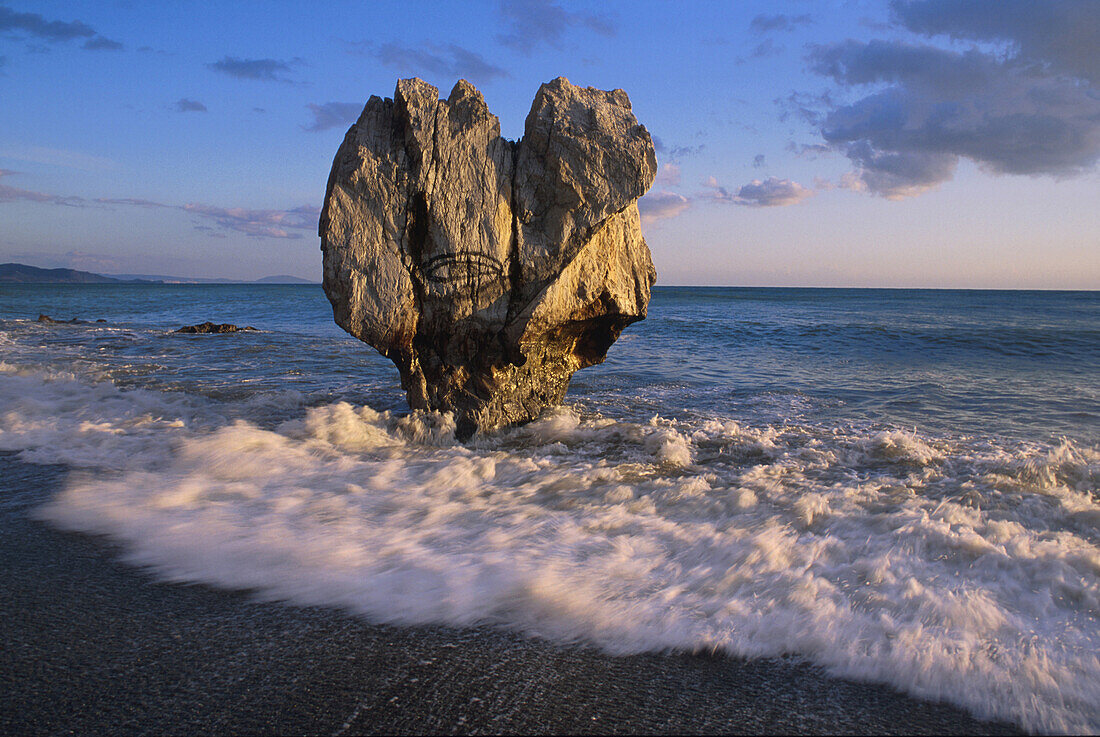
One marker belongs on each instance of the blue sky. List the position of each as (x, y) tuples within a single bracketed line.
[(923, 143)]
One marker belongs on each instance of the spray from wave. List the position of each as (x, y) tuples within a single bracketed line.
[(955, 569)]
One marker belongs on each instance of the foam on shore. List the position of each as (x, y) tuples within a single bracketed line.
[(956, 569)]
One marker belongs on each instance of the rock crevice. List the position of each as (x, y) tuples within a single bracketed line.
[(489, 271)]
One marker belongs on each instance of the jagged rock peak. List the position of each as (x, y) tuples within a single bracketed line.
[(489, 271)]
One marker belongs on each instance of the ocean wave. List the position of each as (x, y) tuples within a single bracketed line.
[(954, 568)]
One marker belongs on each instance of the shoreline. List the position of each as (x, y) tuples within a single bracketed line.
[(95, 645)]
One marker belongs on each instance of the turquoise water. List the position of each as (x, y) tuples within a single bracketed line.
[(901, 486)]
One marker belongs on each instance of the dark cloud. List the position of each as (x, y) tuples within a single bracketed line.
[(534, 22), (134, 201), (941, 105), (758, 161), (1030, 108), (805, 106), (897, 175), (266, 70), (54, 31), (661, 205), (333, 115), (766, 48), (190, 106), (676, 152), (35, 25), (808, 150), (446, 61), (99, 43), (943, 72), (1061, 34), (770, 192), (780, 22), (211, 231)]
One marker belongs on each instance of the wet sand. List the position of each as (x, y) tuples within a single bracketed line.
[(91, 645)]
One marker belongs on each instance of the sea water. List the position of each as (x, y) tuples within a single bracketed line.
[(901, 486)]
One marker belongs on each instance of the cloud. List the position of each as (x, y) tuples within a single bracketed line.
[(661, 205), (668, 175), (442, 60), (189, 106), (1062, 34), (897, 175), (333, 115), (53, 31), (809, 107), (759, 161), (99, 43), (780, 22), (15, 194), (256, 223), (34, 24), (265, 70), (808, 150), (1030, 108), (770, 192), (134, 201), (676, 152), (766, 48), (259, 223), (530, 23)]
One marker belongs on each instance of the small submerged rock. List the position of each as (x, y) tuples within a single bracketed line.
[(47, 320), (211, 327)]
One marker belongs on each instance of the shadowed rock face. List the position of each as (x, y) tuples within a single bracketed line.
[(489, 271)]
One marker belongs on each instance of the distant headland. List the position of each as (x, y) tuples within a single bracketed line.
[(12, 273)]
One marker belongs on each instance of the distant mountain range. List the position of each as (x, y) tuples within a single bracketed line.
[(23, 274)]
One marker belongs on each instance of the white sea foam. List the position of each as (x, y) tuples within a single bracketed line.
[(953, 569)]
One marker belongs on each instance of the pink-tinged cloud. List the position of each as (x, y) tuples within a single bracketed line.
[(257, 223), (260, 223), (661, 205), (770, 192), (15, 194), (668, 175)]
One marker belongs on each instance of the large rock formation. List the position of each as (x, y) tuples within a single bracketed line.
[(489, 271)]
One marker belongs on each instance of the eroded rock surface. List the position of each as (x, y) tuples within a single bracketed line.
[(489, 271)]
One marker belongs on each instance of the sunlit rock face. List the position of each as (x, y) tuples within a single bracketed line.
[(489, 271)]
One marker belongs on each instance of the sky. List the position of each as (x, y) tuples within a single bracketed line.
[(915, 143)]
